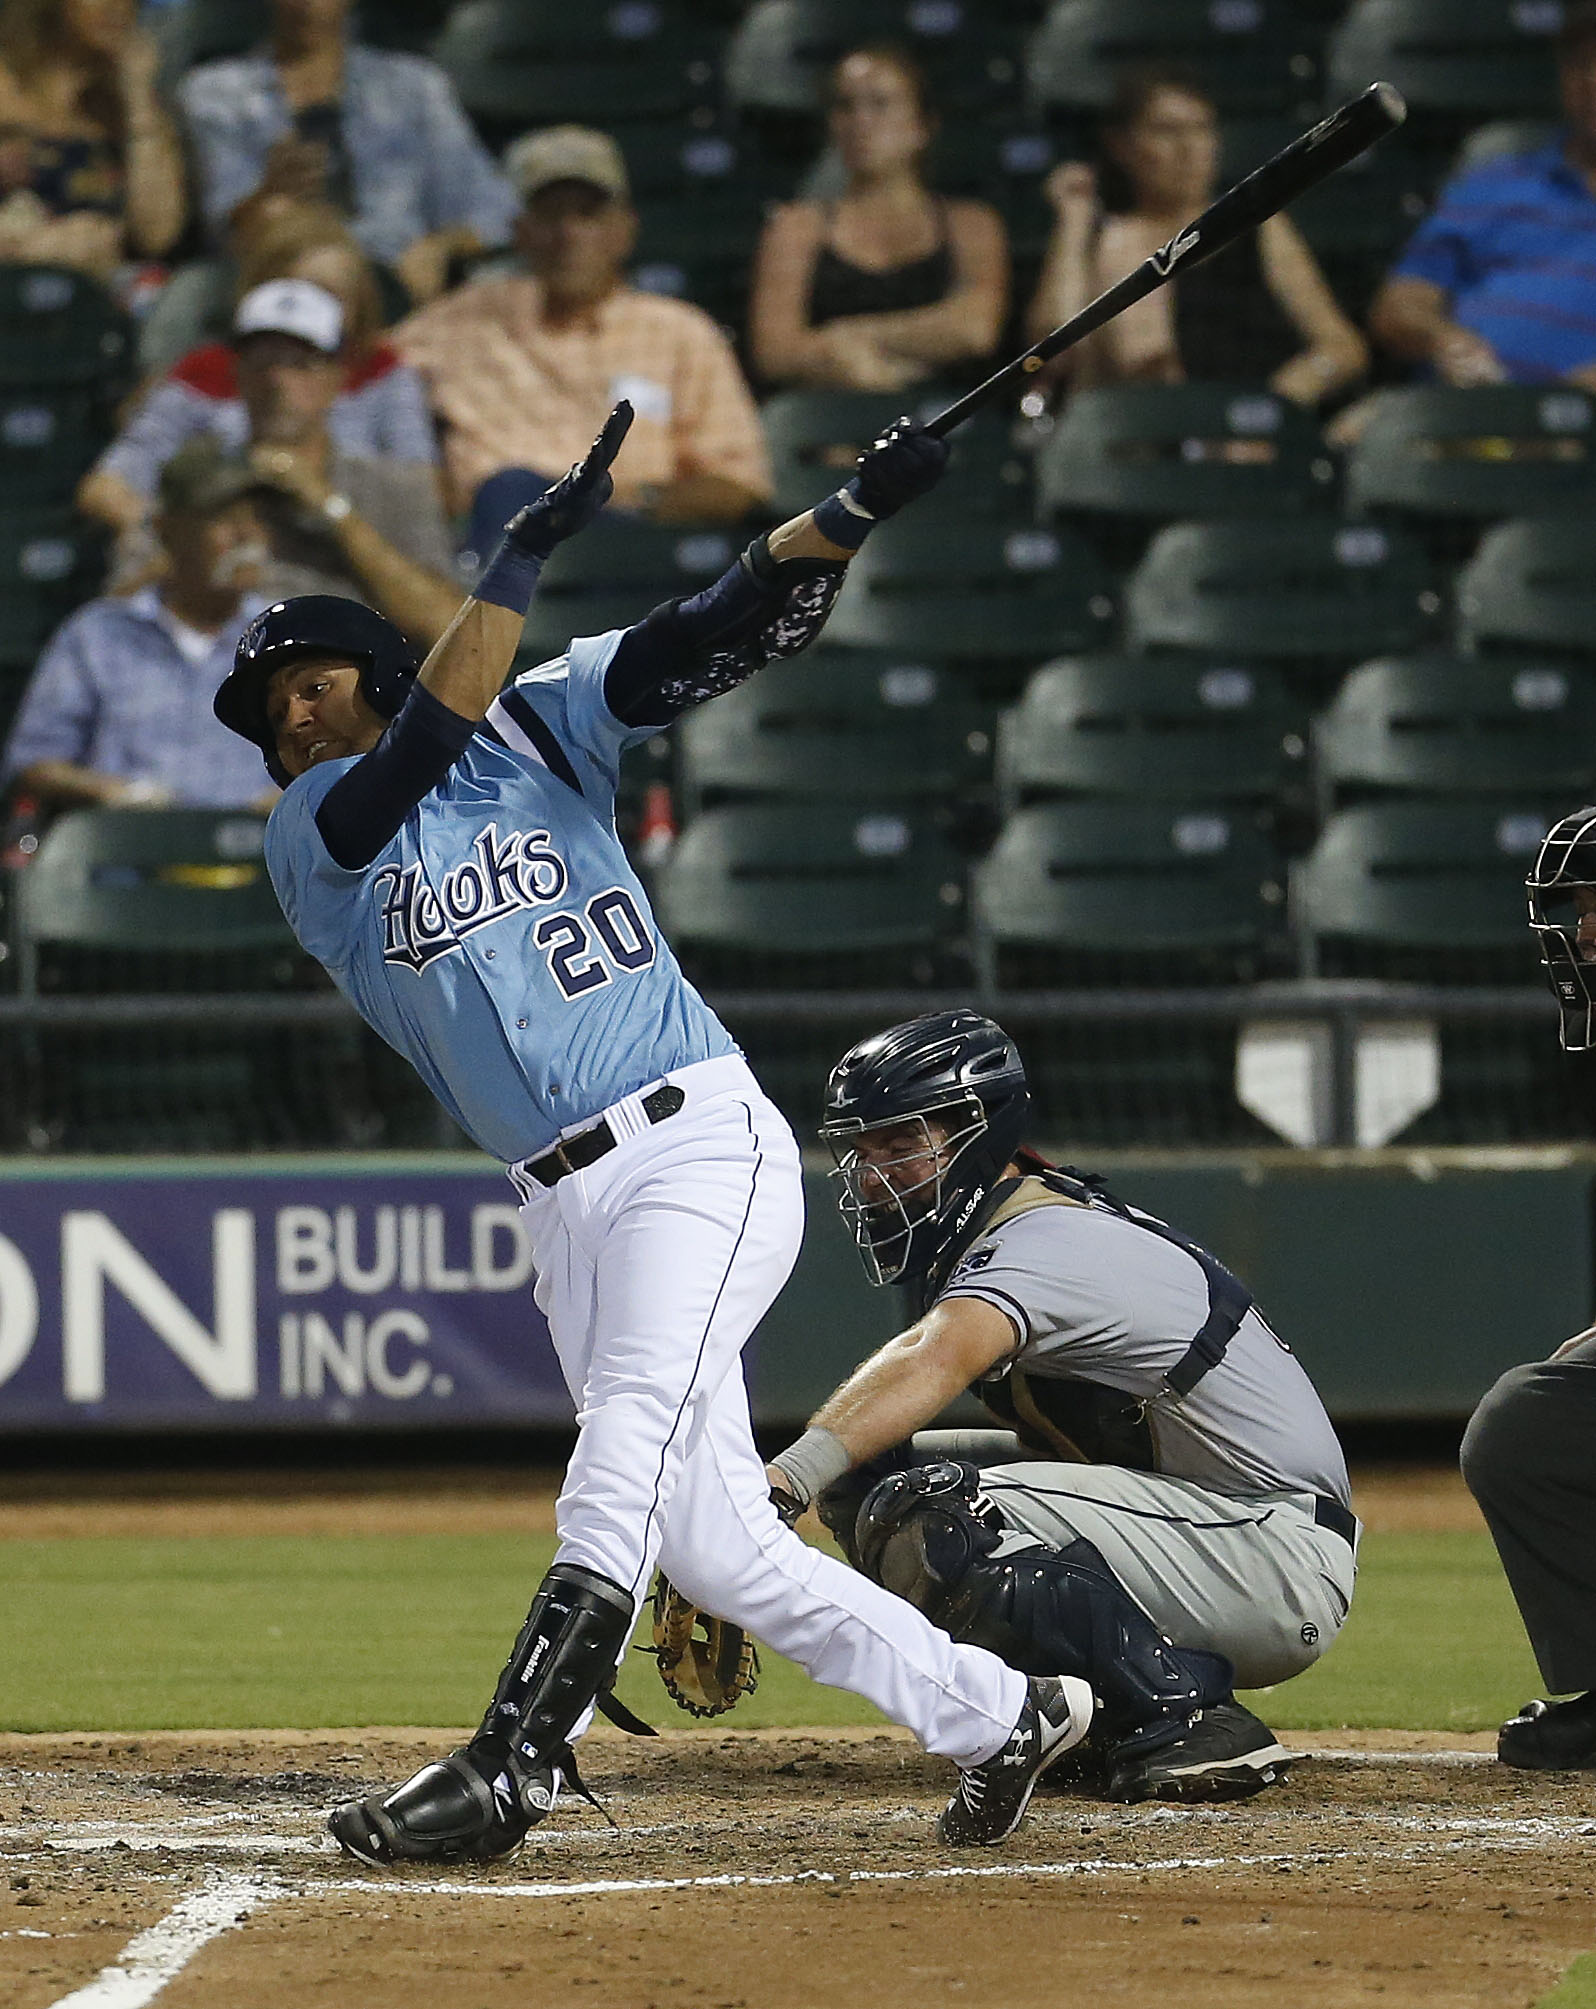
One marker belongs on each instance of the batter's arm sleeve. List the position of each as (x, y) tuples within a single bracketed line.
[(364, 809)]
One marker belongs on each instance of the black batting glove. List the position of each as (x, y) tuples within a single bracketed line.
[(576, 498), (904, 464)]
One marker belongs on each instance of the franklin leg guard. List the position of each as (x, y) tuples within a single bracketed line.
[(479, 1803), (930, 1536)]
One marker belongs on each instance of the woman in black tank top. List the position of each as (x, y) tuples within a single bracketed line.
[(1258, 312), (889, 284)]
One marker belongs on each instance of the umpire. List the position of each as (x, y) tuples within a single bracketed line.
[(1527, 1452), (1167, 1512)]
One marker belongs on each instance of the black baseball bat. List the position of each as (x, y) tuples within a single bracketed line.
[(1296, 168)]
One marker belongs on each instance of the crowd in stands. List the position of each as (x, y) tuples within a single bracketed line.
[(366, 335)]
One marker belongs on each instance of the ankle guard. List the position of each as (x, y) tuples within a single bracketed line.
[(573, 1636), (929, 1535)]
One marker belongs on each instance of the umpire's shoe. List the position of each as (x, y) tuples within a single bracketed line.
[(992, 1797), (1551, 1736), (451, 1811), (1224, 1753)]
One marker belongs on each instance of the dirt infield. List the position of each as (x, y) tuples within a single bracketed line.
[(754, 1870), (779, 1870)]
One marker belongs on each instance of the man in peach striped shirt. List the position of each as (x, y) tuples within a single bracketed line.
[(522, 369)]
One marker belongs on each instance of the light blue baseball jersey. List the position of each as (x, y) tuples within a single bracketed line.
[(501, 941)]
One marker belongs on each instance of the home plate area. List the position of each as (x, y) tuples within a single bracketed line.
[(758, 1870)]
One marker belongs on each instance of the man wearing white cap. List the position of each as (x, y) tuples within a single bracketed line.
[(523, 369), (369, 530)]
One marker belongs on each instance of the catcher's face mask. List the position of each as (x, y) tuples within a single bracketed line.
[(1562, 917), (897, 1178)]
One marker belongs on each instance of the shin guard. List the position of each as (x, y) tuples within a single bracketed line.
[(574, 1633)]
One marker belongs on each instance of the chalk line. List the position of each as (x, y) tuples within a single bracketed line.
[(161, 1952)]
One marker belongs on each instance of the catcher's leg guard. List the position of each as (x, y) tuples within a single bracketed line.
[(480, 1802), (928, 1535)]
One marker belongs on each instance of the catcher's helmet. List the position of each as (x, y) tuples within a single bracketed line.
[(953, 1065), (1566, 859), (316, 624)]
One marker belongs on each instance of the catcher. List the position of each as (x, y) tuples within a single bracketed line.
[(1166, 1511)]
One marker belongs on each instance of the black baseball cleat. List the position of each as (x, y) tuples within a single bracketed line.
[(992, 1797), (450, 1812), (1551, 1736), (1224, 1753)]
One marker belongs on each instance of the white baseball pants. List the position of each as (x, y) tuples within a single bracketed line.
[(654, 1266)]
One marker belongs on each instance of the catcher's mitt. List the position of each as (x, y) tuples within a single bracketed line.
[(706, 1664)]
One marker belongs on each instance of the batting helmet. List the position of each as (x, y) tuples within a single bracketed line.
[(1566, 859), (956, 1067), (316, 624)]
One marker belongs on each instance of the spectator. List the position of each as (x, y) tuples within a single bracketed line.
[(119, 709), (523, 369), (380, 412), (379, 136), (889, 283), (90, 167), (1257, 312), (1499, 281)]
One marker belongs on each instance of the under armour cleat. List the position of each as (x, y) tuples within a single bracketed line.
[(1224, 1753), (1551, 1736), (992, 1797), (451, 1812)]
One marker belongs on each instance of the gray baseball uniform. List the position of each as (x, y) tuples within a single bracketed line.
[(1159, 1418)]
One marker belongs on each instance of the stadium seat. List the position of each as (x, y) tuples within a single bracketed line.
[(696, 247), (615, 575), (48, 441), (1181, 892), (1439, 725), (977, 591), (1170, 450), (815, 438), (61, 330), (773, 890), (1456, 58), (524, 63), (1419, 890), (836, 723), (49, 562), (1253, 57), (1500, 450), (1112, 725), (778, 58), (1307, 593), (1531, 585)]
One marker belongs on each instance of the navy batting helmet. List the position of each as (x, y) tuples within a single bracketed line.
[(1566, 860), (316, 624), (958, 1068)]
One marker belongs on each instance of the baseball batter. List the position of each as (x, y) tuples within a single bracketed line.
[(1167, 1513), (1527, 1450), (446, 848)]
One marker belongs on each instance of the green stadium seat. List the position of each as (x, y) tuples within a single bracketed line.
[(1420, 890), (1531, 585), (1308, 593), (1500, 450), (1253, 57), (1440, 725), (1458, 58), (816, 437), (50, 561), (1171, 450), (1182, 891), (1115, 725), (48, 441), (773, 890), (615, 575), (60, 330), (836, 723), (977, 591), (696, 247), (778, 58)]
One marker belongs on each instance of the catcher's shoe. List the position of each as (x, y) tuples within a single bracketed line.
[(1224, 1753), (992, 1797), (1551, 1736), (451, 1811)]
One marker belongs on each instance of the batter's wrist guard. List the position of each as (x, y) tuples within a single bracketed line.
[(574, 1634)]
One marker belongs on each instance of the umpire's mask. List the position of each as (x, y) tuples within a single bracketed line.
[(1566, 861)]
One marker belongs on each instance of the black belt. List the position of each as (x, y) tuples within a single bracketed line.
[(576, 1153), (1328, 1513)]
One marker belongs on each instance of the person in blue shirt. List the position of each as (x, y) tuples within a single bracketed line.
[(446, 848), (1498, 284)]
